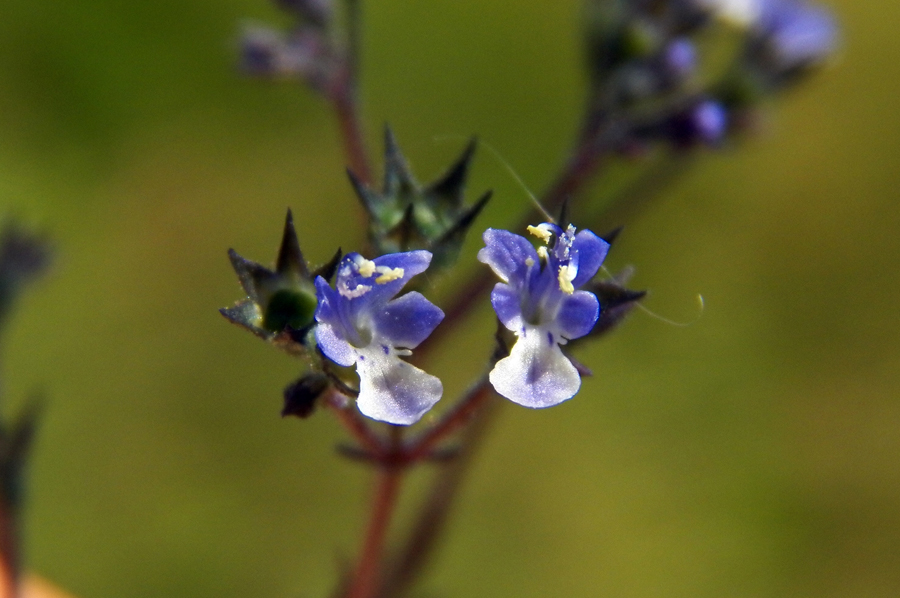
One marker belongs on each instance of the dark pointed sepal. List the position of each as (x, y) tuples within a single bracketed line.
[(451, 187), (612, 235), (290, 259), (504, 340), (616, 302), (564, 221), (16, 440), (328, 269), (446, 249), (398, 177), (405, 216), (23, 257), (583, 370), (301, 396)]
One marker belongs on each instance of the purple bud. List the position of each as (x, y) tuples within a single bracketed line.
[(259, 51), (709, 121), (680, 59), (303, 54)]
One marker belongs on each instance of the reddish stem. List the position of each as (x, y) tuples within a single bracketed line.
[(434, 512), (354, 423), (8, 556), (345, 105), (366, 578), (344, 97), (459, 416)]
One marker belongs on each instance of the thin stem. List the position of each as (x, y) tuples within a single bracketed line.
[(357, 426), (366, 578), (452, 421), (345, 106), (354, 37), (8, 557), (344, 97), (435, 511)]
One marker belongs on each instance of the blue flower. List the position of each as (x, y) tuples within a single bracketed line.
[(540, 302), (797, 33), (360, 323)]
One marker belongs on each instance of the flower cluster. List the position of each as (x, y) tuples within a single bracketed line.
[(649, 85), (363, 321), (646, 62)]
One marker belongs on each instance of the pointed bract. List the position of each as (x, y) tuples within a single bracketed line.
[(405, 216), (290, 258), (453, 184), (281, 303)]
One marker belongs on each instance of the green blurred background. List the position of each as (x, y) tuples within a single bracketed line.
[(752, 454)]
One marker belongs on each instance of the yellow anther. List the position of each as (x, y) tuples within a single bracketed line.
[(388, 274), (566, 276), (543, 253), (540, 232), (367, 268)]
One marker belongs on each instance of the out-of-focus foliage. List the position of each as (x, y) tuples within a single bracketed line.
[(752, 453)]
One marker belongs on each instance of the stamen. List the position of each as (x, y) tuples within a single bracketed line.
[(543, 253), (388, 274), (566, 276), (366, 268), (529, 262), (541, 231)]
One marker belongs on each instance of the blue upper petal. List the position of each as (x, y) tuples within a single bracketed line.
[(577, 315), (590, 251), (507, 304), (507, 254), (412, 263), (407, 320)]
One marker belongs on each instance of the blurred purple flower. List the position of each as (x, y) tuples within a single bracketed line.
[(360, 323), (538, 300), (795, 32), (680, 59)]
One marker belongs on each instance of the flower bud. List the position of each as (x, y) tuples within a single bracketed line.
[(300, 396)]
